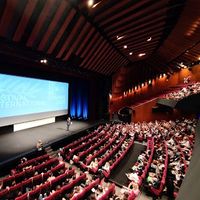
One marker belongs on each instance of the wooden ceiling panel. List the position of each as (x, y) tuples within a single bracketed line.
[(68, 30), (95, 55), (61, 31), (52, 25), (40, 22), (7, 16)]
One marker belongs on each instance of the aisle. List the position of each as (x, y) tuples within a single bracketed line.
[(118, 174)]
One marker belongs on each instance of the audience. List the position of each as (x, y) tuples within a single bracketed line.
[(184, 92), (169, 150)]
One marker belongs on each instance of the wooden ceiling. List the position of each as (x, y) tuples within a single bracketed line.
[(69, 30)]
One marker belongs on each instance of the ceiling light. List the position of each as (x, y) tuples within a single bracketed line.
[(120, 37), (131, 53), (90, 3), (125, 46), (96, 4), (149, 81), (149, 39), (141, 54), (43, 61), (198, 58)]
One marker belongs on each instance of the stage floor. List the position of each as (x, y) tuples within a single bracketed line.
[(16, 143)]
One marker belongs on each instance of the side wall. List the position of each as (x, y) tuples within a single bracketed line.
[(159, 85), (144, 112)]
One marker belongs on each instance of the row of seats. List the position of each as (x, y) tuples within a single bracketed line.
[(98, 152), (117, 159), (27, 173), (107, 193), (20, 188), (32, 162), (157, 191), (90, 151), (84, 145), (80, 140), (46, 187), (141, 167)]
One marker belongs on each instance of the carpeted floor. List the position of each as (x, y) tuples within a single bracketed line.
[(118, 174)]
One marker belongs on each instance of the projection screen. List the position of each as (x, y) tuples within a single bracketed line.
[(24, 99)]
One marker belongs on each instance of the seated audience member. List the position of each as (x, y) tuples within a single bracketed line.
[(133, 177), (134, 186), (92, 196), (51, 177), (93, 164), (23, 160)]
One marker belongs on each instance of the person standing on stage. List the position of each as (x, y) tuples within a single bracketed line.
[(68, 123), (39, 145)]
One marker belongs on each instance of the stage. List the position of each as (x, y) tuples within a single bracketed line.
[(14, 144)]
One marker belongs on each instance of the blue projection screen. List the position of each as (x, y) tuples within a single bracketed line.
[(24, 99)]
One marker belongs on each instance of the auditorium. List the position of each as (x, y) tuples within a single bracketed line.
[(99, 100)]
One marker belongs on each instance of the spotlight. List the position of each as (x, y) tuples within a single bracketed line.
[(149, 39), (141, 54), (96, 4), (120, 37), (149, 82), (90, 3), (45, 61)]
